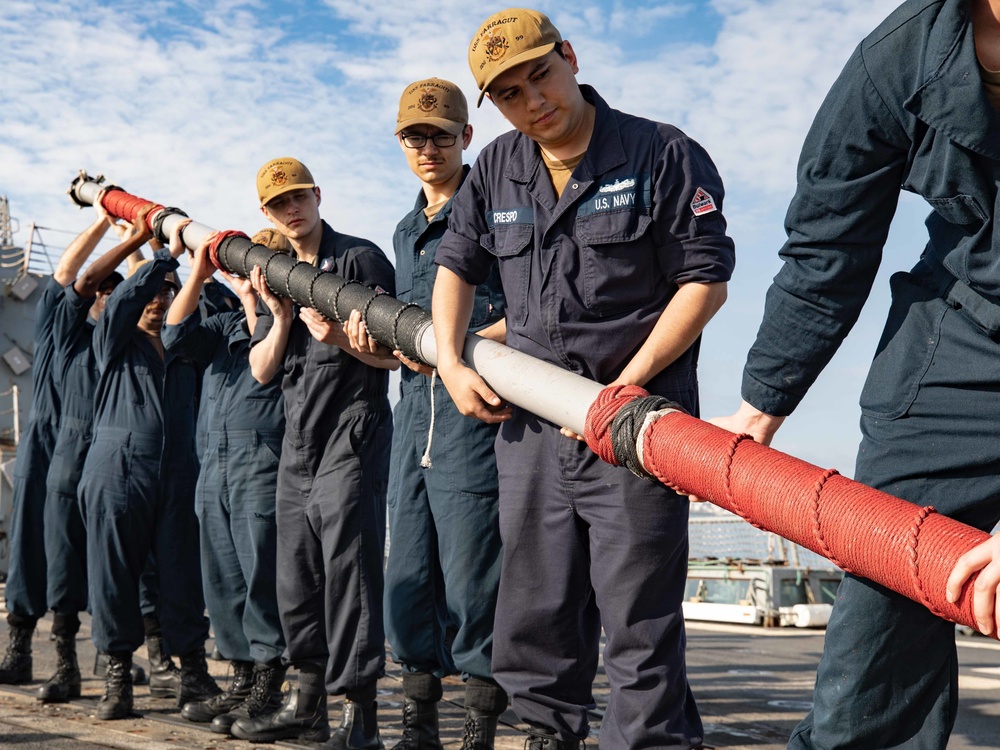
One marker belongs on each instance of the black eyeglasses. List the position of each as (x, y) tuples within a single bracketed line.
[(441, 140)]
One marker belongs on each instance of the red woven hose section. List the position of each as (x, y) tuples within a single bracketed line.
[(213, 248), (906, 548), (123, 205)]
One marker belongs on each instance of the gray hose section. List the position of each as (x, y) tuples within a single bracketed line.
[(544, 389)]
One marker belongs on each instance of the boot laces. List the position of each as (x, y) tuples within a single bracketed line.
[(115, 682), (470, 734), (260, 692), (17, 647), (409, 738), (66, 666), (241, 678)]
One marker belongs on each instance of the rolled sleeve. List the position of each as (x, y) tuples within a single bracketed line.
[(460, 250), (194, 338), (124, 307), (692, 244), (69, 317)]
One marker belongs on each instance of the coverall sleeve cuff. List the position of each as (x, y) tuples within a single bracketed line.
[(464, 258), (767, 398), (74, 299), (174, 335)]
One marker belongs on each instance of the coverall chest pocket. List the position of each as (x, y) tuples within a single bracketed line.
[(510, 243), (324, 355), (619, 264), (404, 278)]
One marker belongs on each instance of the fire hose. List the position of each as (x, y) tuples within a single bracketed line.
[(906, 548)]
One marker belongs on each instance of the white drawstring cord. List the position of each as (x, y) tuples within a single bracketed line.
[(425, 460)]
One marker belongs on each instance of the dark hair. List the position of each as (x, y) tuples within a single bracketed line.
[(559, 50)]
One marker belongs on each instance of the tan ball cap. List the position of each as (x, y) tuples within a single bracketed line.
[(506, 39), (280, 176), (436, 102), (271, 239)]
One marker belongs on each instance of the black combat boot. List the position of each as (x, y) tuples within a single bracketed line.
[(101, 669), (116, 703), (237, 692), (480, 730), (421, 693), (547, 742), (358, 729), (302, 716), (15, 669), (65, 683), (196, 683), (484, 702), (265, 698), (420, 726), (164, 676)]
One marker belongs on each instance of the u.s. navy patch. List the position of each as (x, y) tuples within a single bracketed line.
[(702, 203), (622, 193)]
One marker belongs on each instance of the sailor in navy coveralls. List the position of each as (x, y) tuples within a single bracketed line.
[(137, 486), (43, 572), (443, 570), (613, 255), (331, 479), (244, 425), (915, 108)]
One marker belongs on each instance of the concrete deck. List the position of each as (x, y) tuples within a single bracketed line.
[(752, 685)]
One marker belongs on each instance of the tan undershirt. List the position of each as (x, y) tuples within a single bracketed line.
[(560, 171), (431, 211), (991, 84)]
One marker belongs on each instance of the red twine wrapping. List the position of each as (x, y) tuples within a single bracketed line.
[(123, 205), (906, 548), (213, 248)]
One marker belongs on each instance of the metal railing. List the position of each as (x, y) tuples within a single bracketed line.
[(14, 411)]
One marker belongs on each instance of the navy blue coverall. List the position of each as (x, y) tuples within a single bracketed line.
[(332, 490), (444, 552), (65, 531), (137, 488), (586, 277), (908, 111), (234, 498), (25, 593), (215, 298)]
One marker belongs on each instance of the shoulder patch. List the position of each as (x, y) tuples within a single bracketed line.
[(702, 203)]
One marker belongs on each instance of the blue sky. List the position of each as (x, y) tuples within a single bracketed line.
[(180, 101)]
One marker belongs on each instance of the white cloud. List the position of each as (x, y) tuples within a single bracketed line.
[(184, 114), (181, 101)]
